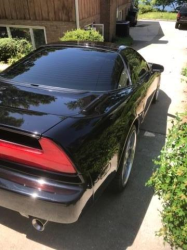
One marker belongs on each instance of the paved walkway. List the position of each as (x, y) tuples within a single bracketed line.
[(160, 42)]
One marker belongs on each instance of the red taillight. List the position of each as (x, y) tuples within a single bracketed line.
[(50, 157), (178, 15)]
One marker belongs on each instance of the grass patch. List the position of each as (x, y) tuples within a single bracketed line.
[(127, 41), (158, 15)]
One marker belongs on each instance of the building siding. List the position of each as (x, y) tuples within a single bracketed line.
[(58, 16), (39, 10), (88, 8)]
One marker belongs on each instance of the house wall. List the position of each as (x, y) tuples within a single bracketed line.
[(54, 30), (39, 10), (54, 15), (58, 16), (89, 12), (124, 5), (109, 12)]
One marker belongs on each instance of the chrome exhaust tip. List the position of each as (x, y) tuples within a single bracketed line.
[(39, 224)]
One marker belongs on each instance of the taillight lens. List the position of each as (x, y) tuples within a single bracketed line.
[(178, 15), (50, 157)]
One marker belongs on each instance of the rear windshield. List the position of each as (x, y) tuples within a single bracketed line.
[(73, 68), (183, 9)]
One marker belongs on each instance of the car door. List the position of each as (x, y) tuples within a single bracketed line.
[(140, 76)]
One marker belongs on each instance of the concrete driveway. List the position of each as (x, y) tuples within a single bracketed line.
[(128, 220)]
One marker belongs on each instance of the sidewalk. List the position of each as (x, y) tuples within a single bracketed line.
[(159, 42), (3, 66)]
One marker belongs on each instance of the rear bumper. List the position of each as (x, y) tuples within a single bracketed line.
[(181, 21), (51, 201)]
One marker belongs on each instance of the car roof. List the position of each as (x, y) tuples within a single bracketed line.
[(92, 45)]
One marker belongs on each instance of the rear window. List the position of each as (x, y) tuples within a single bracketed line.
[(72, 68), (183, 9)]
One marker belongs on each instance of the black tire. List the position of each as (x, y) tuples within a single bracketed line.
[(122, 176), (176, 26)]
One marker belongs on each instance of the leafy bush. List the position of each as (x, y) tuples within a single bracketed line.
[(170, 184), (13, 49), (184, 72), (82, 35), (15, 58), (145, 8)]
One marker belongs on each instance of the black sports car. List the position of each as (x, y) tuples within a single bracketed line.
[(69, 117)]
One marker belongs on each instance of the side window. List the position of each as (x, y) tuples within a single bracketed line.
[(120, 74), (117, 71), (124, 79), (137, 66)]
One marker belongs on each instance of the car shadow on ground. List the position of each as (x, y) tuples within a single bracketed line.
[(115, 219), (150, 32)]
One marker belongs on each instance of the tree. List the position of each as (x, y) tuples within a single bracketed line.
[(165, 3), (162, 3)]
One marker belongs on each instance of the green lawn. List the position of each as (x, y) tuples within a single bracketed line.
[(127, 41), (158, 15)]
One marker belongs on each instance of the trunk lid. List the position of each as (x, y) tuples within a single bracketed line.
[(36, 110)]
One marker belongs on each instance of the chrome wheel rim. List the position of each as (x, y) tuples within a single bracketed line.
[(129, 157), (157, 94)]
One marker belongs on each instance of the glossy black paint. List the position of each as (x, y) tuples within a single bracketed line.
[(90, 126), (182, 15)]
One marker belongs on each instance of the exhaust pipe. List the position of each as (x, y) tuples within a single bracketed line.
[(39, 224)]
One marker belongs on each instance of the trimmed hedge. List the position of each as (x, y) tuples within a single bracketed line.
[(12, 50), (170, 184), (145, 8), (82, 35)]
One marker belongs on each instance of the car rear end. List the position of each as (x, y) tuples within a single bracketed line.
[(38, 175), (181, 16), (38, 179)]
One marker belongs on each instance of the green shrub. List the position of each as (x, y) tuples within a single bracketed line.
[(82, 35), (15, 58), (170, 184), (145, 8), (23, 46), (13, 49), (8, 49), (184, 72)]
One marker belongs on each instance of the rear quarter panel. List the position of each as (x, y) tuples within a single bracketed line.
[(95, 141)]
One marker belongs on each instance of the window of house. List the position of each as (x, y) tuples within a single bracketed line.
[(3, 32), (35, 35), (22, 33), (39, 37)]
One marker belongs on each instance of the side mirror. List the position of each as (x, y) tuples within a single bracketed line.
[(156, 67)]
